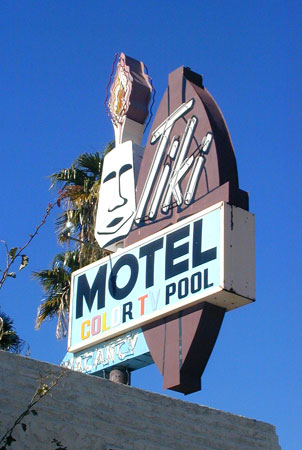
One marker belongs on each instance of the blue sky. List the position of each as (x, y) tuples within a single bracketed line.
[(56, 58)]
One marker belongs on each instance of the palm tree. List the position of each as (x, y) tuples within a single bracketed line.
[(78, 188), (9, 340), (56, 285)]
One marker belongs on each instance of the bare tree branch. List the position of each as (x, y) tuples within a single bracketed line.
[(13, 254), (42, 390)]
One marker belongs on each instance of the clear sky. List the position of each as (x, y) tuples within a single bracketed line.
[(56, 58)]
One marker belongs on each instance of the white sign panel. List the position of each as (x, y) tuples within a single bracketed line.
[(207, 257)]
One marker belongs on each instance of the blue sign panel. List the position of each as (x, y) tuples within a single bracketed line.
[(129, 351)]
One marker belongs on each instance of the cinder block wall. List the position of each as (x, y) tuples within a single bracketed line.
[(85, 412)]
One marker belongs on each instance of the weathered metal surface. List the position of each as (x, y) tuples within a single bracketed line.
[(188, 137)]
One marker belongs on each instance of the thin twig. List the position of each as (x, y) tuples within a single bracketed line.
[(11, 260), (42, 390)]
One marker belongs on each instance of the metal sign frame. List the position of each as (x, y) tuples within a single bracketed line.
[(235, 285)]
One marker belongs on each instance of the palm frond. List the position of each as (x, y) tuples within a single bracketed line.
[(78, 192), (50, 308), (90, 164), (9, 339)]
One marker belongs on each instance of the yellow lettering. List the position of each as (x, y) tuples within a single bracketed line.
[(104, 326), (83, 335)]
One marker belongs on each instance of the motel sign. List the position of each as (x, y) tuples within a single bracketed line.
[(180, 236)]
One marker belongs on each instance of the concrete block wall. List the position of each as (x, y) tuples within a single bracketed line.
[(86, 412)]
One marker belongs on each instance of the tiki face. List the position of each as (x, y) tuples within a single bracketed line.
[(117, 196)]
